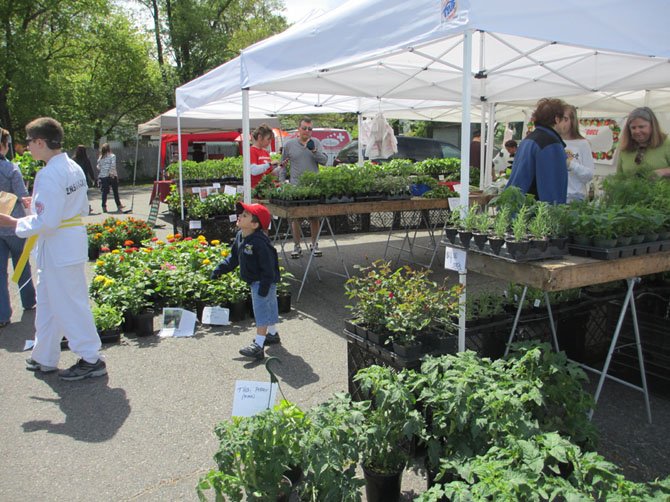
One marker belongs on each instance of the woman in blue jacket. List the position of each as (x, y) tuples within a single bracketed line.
[(540, 164)]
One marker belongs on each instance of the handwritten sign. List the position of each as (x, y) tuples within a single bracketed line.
[(455, 259), (229, 190), (194, 224), (253, 397)]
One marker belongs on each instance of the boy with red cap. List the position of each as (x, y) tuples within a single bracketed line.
[(259, 267)]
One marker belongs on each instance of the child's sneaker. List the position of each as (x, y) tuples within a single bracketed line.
[(315, 250), (297, 252), (83, 369), (253, 350), (272, 339), (33, 365)]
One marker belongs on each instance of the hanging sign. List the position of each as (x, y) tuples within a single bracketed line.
[(603, 135)]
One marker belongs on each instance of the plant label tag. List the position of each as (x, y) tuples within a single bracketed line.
[(536, 303), (177, 322), (240, 188), (230, 190), (440, 177), (195, 189), (252, 397), (216, 315), (216, 185), (232, 218), (194, 224), (455, 259)]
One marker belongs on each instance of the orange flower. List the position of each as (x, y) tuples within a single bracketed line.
[(128, 243)]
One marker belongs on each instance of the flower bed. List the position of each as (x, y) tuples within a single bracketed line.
[(173, 273), (113, 233)]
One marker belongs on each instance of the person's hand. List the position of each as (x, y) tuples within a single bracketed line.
[(26, 201), (7, 221), (216, 273)]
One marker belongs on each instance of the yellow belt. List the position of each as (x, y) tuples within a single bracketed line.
[(75, 221)]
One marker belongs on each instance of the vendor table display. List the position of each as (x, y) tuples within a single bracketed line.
[(325, 211), (573, 272)]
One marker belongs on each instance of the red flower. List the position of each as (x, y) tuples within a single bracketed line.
[(185, 238), (391, 294), (378, 282), (128, 250), (104, 249), (154, 239)]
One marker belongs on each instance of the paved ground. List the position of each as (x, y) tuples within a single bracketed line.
[(144, 432)]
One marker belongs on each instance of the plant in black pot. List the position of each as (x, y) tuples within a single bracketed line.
[(255, 455), (452, 225), (518, 244), (108, 320), (540, 227), (481, 233), (499, 230), (468, 226), (284, 291), (389, 426)]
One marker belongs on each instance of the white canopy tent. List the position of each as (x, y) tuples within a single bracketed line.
[(425, 49)]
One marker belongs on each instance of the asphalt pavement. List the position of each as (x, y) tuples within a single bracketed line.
[(145, 431)]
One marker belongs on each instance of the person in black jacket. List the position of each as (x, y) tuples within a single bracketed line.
[(259, 267)]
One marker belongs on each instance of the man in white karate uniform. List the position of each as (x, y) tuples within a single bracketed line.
[(56, 229)]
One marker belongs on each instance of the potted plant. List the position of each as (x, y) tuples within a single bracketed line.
[(500, 225), (108, 320), (481, 233), (540, 227), (452, 225), (255, 454), (518, 244), (284, 291), (468, 226), (391, 422)]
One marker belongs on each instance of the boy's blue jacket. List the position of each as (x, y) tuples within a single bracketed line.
[(540, 166), (257, 259)]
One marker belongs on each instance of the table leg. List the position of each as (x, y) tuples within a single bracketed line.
[(309, 264), (516, 320), (552, 324), (337, 248), (628, 301)]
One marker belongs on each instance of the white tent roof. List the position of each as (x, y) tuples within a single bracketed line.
[(523, 49)]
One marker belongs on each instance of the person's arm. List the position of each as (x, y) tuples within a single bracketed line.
[(18, 185), (319, 155), (551, 174), (582, 168)]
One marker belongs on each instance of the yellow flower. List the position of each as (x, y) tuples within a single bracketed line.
[(109, 282), (225, 253), (99, 263), (99, 278), (170, 236), (160, 243), (115, 251), (206, 261), (215, 242), (202, 238)]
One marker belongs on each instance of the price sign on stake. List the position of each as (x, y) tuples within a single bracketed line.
[(455, 259)]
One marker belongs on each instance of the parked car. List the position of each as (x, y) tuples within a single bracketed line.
[(409, 147)]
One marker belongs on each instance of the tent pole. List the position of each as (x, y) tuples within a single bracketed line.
[(160, 145), (137, 149), (181, 177), (465, 169), (483, 143), (359, 116), (246, 151), (490, 138)]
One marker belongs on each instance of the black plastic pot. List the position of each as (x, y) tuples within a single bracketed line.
[(144, 323), (480, 240), (237, 311), (451, 233), (378, 338), (382, 487), (413, 350), (539, 244), (465, 237), (496, 244), (517, 249), (284, 303)]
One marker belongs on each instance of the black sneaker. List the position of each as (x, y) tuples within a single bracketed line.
[(33, 365), (83, 369), (272, 339), (253, 350)]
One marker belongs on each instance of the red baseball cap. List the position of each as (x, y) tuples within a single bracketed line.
[(258, 210)]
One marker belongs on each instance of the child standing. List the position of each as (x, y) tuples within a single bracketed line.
[(259, 267)]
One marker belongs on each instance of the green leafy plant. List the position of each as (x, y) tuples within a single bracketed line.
[(520, 224), (540, 225), (106, 317), (501, 223)]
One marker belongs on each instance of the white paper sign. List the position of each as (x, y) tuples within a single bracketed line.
[(240, 188), (177, 322), (229, 190), (454, 259), (253, 397), (216, 315), (454, 203), (195, 189), (216, 185), (194, 224), (232, 218), (29, 344)]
